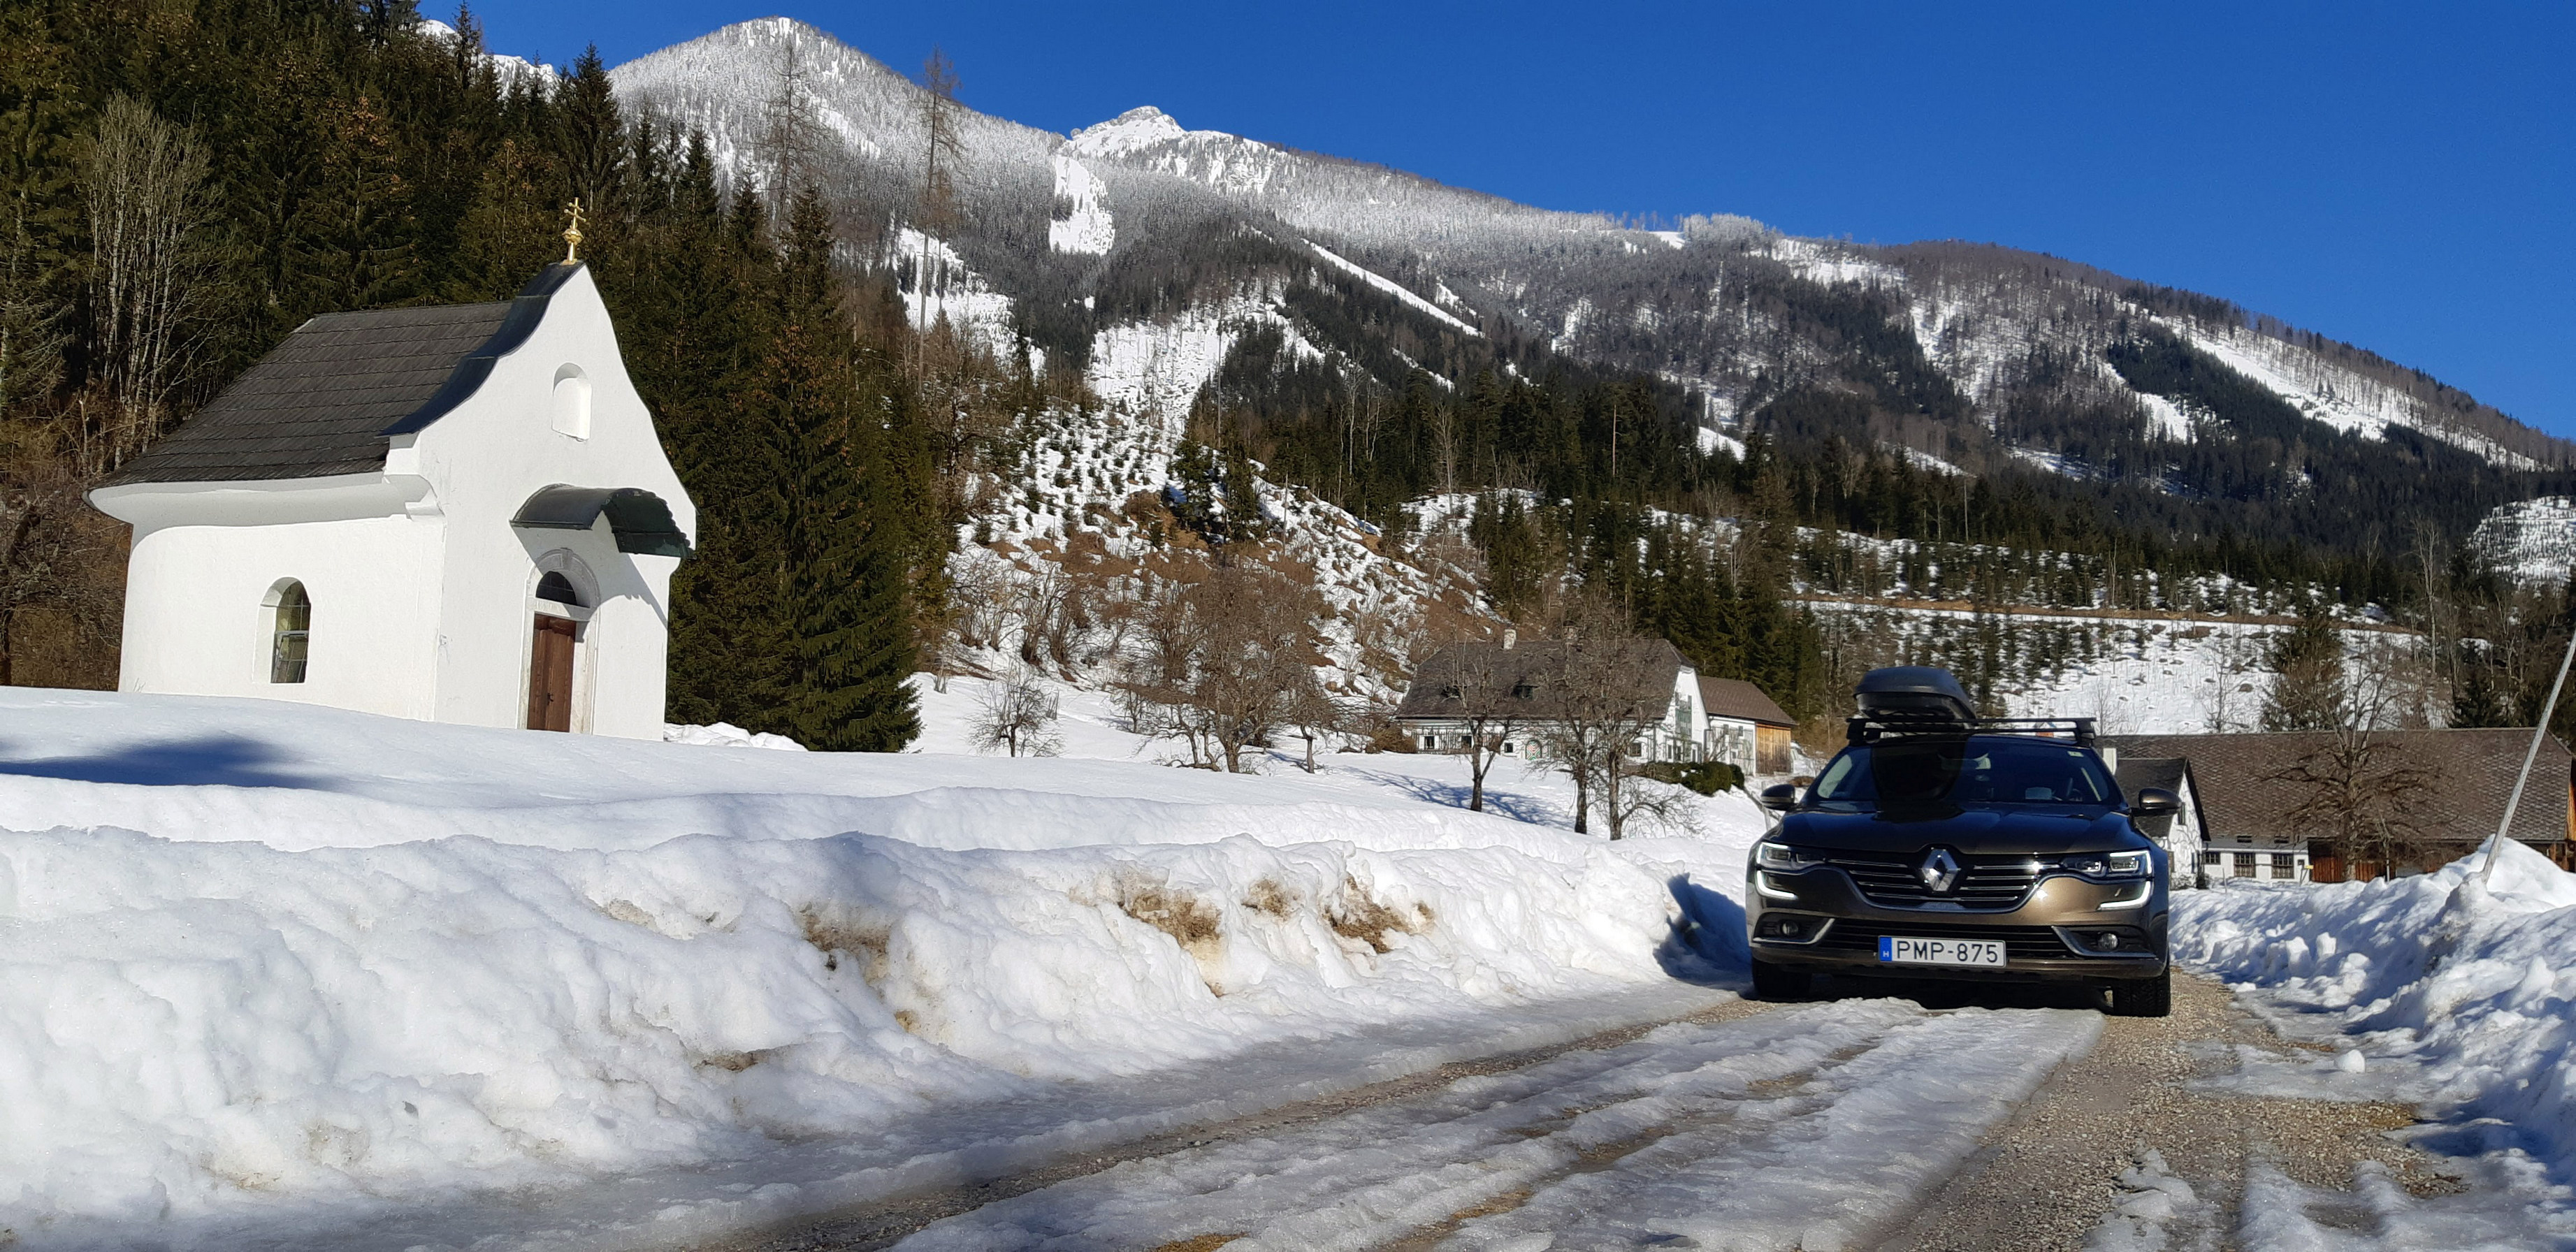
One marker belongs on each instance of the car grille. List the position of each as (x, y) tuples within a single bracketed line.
[(1985, 882), (2021, 943)]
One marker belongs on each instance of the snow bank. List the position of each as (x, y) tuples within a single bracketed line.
[(298, 777), (728, 735), (2456, 994), (185, 1026), (338, 959)]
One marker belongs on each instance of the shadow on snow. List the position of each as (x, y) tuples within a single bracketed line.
[(213, 761)]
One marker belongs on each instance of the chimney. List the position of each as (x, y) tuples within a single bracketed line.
[(1510, 636)]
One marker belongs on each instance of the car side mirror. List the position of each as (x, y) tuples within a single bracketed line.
[(1780, 797), (2155, 802)]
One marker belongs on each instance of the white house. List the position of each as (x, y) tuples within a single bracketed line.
[(1746, 727), (2192, 853), (457, 514), (1510, 687)]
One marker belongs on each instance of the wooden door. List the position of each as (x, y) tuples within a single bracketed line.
[(550, 675)]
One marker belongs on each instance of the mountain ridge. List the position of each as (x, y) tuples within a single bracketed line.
[(1982, 360)]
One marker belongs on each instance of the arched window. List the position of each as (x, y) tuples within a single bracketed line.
[(572, 402), (559, 589), (290, 631)]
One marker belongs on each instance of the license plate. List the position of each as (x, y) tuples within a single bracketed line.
[(1900, 950)]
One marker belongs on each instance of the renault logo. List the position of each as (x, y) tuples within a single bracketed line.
[(1940, 870)]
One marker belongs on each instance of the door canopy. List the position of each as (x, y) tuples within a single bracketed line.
[(640, 519)]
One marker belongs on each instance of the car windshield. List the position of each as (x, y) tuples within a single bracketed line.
[(1983, 770)]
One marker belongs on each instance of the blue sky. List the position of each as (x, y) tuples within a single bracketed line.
[(2401, 177)]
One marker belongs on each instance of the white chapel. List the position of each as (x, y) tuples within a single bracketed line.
[(457, 513)]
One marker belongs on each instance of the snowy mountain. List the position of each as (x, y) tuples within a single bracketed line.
[(1179, 269), (1723, 305)]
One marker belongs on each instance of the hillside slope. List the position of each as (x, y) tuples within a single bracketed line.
[(1208, 287), (2190, 412)]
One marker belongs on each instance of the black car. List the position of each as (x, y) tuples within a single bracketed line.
[(1940, 844)]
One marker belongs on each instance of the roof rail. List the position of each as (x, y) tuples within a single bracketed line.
[(1866, 728)]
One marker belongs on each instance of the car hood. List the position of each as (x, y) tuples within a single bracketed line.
[(1997, 831)]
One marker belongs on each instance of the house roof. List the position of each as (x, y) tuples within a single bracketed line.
[(2467, 776), (328, 399), (2172, 773), (1439, 687), (1742, 701)]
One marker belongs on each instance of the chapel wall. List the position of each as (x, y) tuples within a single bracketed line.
[(485, 459), (197, 620)]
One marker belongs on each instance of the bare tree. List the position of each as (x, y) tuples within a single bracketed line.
[(1156, 677), (1596, 707), (2360, 789), (1257, 658), (1050, 605), (143, 184), (1227, 659), (1018, 713), (967, 400), (1313, 713), (1444, 446), (1490, 687), (1653, 802), (943, 150)]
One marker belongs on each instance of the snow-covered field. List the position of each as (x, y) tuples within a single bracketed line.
[(269, 964), (2440, 990), (278, 976)]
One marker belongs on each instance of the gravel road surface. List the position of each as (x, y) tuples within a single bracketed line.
[(1955, 1121)]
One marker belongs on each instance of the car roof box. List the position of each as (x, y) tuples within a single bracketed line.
[(1915, 693)]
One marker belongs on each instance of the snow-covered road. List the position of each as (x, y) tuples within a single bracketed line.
[(1811, 1126)]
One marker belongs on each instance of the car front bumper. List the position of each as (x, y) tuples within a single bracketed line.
[(2046, 937)]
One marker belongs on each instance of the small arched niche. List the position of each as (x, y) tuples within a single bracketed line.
[(287, 613), (554, 588), (564, 582), (572, 402)]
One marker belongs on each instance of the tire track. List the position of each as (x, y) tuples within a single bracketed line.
[(1636, 1144)]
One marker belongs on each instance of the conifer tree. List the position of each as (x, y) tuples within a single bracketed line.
[(844, 578), (2308, 690), (701, 310)]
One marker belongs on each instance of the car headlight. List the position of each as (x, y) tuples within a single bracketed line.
[(2108, 865), (1771, 855)]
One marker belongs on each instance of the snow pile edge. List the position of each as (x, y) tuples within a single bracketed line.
[(191, 1031), (2471, 985)]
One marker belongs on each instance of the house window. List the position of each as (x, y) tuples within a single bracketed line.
[(2212, 858), (1507, 747), (572, 402), (1636, 747), (2284, 865), (290, 631), (1431, 743), (2244, 864)]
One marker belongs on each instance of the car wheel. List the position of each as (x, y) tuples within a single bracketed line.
[(1779, 985), (2143, 997)]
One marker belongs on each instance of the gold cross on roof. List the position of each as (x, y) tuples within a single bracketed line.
[(572, 233)]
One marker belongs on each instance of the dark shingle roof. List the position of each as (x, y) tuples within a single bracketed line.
[(1435, 688), (2468, 775), (1736, 698), (324, 401)]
